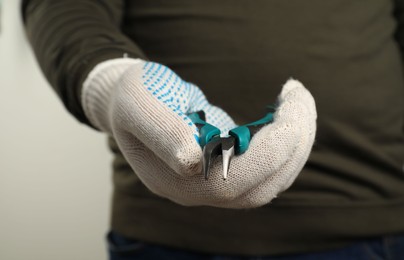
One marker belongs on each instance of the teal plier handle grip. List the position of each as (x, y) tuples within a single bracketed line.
[(236, 143), (244, 133), (206, 131)]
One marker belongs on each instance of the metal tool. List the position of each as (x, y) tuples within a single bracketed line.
[(209, 140), (236, 143), (241, 136)]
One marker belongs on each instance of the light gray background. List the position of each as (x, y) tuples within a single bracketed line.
[(54, 172)]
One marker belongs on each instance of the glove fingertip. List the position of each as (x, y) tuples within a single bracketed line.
[(189, 161), (291, 85)]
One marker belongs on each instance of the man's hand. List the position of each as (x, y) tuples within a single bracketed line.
[(276, 155), (134, 100), (145, 109)]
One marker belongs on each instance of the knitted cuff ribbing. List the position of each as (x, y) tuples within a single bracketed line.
[(97, 90)]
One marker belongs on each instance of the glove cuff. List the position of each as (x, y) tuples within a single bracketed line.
[(97, 90)]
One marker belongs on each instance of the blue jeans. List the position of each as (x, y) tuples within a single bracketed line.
[(386, 247)]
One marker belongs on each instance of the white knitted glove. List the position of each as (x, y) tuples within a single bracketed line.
[(158, 141), (136, 100), (276, 155)]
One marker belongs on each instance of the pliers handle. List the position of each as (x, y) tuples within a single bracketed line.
[(206, 131), (236, 143), (244, 133)]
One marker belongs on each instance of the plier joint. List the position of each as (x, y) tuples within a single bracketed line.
[(235, 143)]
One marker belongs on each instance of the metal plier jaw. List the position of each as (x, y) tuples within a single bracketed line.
[(235, 144)]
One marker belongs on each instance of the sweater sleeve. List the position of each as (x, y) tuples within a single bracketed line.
[(70, 37)]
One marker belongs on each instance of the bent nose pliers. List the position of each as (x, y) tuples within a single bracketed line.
[(236, 143)]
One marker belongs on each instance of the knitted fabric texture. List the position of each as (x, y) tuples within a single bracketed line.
[(131, 98), (148, 119)]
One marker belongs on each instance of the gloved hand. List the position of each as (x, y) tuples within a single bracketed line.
[(138, 101), (276, 155)]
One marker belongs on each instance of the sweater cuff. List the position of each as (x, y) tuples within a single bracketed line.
[(97, 90)]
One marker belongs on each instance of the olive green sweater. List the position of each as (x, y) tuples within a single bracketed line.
[(239, 52)]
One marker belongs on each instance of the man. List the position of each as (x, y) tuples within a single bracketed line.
[(348, 200)]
